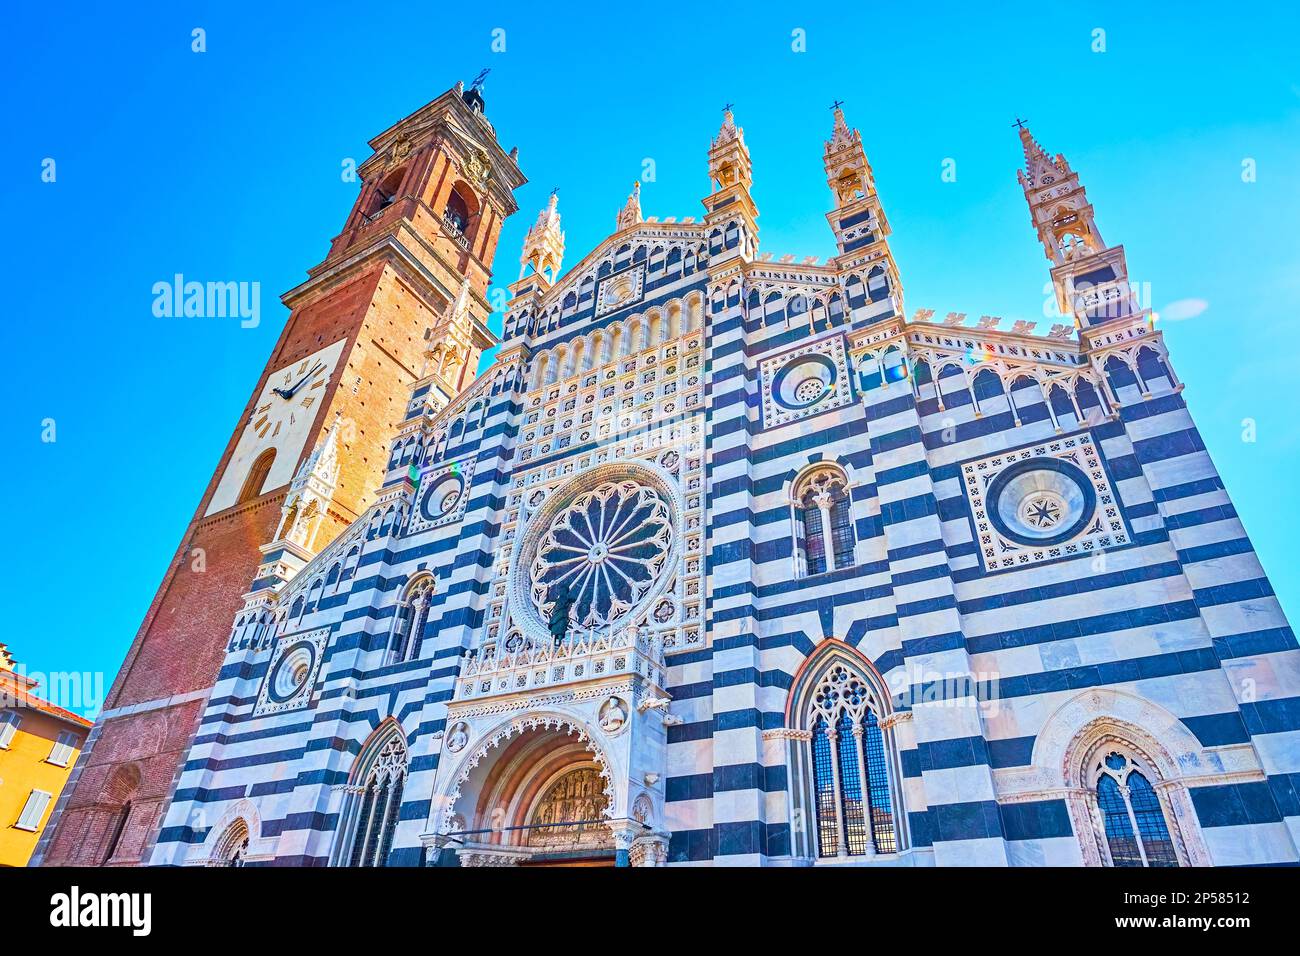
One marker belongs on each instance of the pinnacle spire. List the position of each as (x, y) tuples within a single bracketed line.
[(1038, 162), (1090, 278), (841, 132), (630, 214), (729, 130), (544, 243)]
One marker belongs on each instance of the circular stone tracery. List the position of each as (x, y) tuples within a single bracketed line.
[(291, 672), (606, 548), (803, 381), (611, 535), (1041, 502), (441, 497)]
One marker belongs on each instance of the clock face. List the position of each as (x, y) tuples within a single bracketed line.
[(281, 420)]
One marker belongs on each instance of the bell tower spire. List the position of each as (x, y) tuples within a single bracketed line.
[(858, 219), (730, 208), (1089, 277)]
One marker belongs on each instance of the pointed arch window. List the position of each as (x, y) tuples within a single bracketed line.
[(408, 624), (1131, 813), (855, 813), (823, 517), (374, 801), (846, 782), (232, 848)]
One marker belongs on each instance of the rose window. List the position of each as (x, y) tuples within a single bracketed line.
[(605, 549)]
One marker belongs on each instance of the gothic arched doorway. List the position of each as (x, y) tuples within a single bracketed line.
[(538, 799)]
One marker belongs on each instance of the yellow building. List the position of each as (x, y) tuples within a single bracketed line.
[(39, 744)]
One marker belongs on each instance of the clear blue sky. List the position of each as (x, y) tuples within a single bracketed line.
[(226, 166)]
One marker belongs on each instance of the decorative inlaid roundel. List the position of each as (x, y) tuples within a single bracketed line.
[(294, 665), (442, 495), (292, 671), (621, 289), (606, 549), (806, 381), (803, 381), (1037, 502), (1043, 502)]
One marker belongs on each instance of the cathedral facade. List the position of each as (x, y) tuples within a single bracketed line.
[(725, 559)]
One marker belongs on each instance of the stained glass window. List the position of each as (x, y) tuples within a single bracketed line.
[(842, 530), (850, 772), (1150, 818), (814, 541), (820, 496), (1137, 833), (855, 824), (1119, 828), (882, 813), (378, 806), (828, 830)]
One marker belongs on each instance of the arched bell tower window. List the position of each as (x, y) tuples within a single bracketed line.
[(1131, 813), (368, 821), (408, 624), (257, 476), (458, 214), (385, 193), (823, 521), (845, 786)]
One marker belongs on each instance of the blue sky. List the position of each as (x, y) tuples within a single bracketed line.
[(225, 165)]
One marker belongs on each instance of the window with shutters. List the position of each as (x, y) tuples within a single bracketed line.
[(9, 722), (63, 749), (33, 811)]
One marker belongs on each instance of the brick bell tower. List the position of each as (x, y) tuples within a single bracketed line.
[(417, 245)]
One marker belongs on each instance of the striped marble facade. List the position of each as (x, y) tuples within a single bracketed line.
[(399, 700)]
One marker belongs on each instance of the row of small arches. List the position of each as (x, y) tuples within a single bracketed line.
[(657, 258), (617, 340)]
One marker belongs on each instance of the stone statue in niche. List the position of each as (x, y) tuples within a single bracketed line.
[(458, 738), (612, 716)]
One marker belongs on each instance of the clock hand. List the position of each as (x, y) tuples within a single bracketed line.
[(299, 384), (289, 392)]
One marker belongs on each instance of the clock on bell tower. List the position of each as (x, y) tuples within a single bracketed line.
[(416, 249)]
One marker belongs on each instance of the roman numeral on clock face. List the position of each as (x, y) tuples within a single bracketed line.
[(308, 401)]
